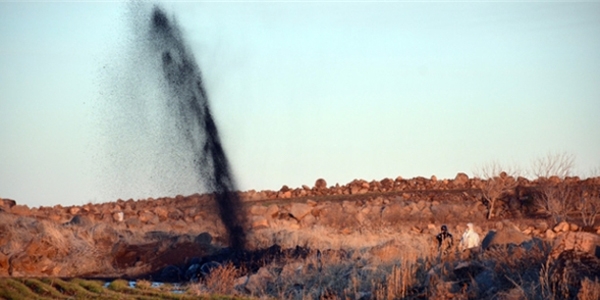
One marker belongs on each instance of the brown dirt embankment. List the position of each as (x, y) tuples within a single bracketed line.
[(129, 238)]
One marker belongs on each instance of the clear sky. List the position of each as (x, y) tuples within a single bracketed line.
[(300, 91)]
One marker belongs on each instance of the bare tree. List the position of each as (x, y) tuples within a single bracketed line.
[(553, 164), (556, 197), (496, 183), (589, 204)]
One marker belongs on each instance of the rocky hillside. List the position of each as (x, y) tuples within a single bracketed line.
[(387, 218)]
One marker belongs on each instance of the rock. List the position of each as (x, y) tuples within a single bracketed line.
[(300, 210), (284, 195), (258, 210), (461, 180), (175, 214), (203, 239), (259, 222), (392, 213), (74, 210), (550, 234), (79, 221), (466, 270), (349, 208), (133, 223), (308, 221), (272, 210), (192, 272), (20, 210), (161, 212), (7, 203), (4, 265), (542, 226), (576, 241), (573, 227), (311, 202), (528, 231), (320, 184), (561, 227), (505, 236), (118, 216), (179, 224), (145, 216), (171, 274), (104, 236)]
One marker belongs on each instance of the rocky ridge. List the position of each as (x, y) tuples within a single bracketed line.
[(136, 237)]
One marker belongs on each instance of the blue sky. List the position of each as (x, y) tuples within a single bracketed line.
[(300, 91)]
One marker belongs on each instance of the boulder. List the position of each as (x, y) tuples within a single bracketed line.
[(7, 203), (392, 213), (508, 234), (161, 212), (20, 210), (79, 220), (550, 234), (171, 274), (259, 222), (299, 210), (145, 216), (320, 184), (461, 180), (272, 211), (203, 239), (576, 241), (258, 210), (308, 221)]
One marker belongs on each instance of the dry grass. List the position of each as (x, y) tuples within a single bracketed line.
[(220, 281), (590, 290)]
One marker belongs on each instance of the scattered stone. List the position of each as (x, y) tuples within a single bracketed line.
[(118, 216), (550, 234), (561, 227), (573, 227)]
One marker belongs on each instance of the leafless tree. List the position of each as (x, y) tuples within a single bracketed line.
[(589, 204), (556, 197), (553, 164), (496, 183)]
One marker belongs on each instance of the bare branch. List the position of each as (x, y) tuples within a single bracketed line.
[(496, 183), (554, 164)]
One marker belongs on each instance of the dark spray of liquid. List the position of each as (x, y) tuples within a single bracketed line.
[(189, 103)]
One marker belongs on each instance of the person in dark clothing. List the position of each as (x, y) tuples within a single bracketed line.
[(444, 239)]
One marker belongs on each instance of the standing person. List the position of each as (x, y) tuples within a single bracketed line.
[(444, 239), (470, 240)]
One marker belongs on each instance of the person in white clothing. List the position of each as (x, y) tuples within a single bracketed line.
[(470, 239)]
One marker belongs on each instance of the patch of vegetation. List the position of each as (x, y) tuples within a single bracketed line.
[(76, 288)]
